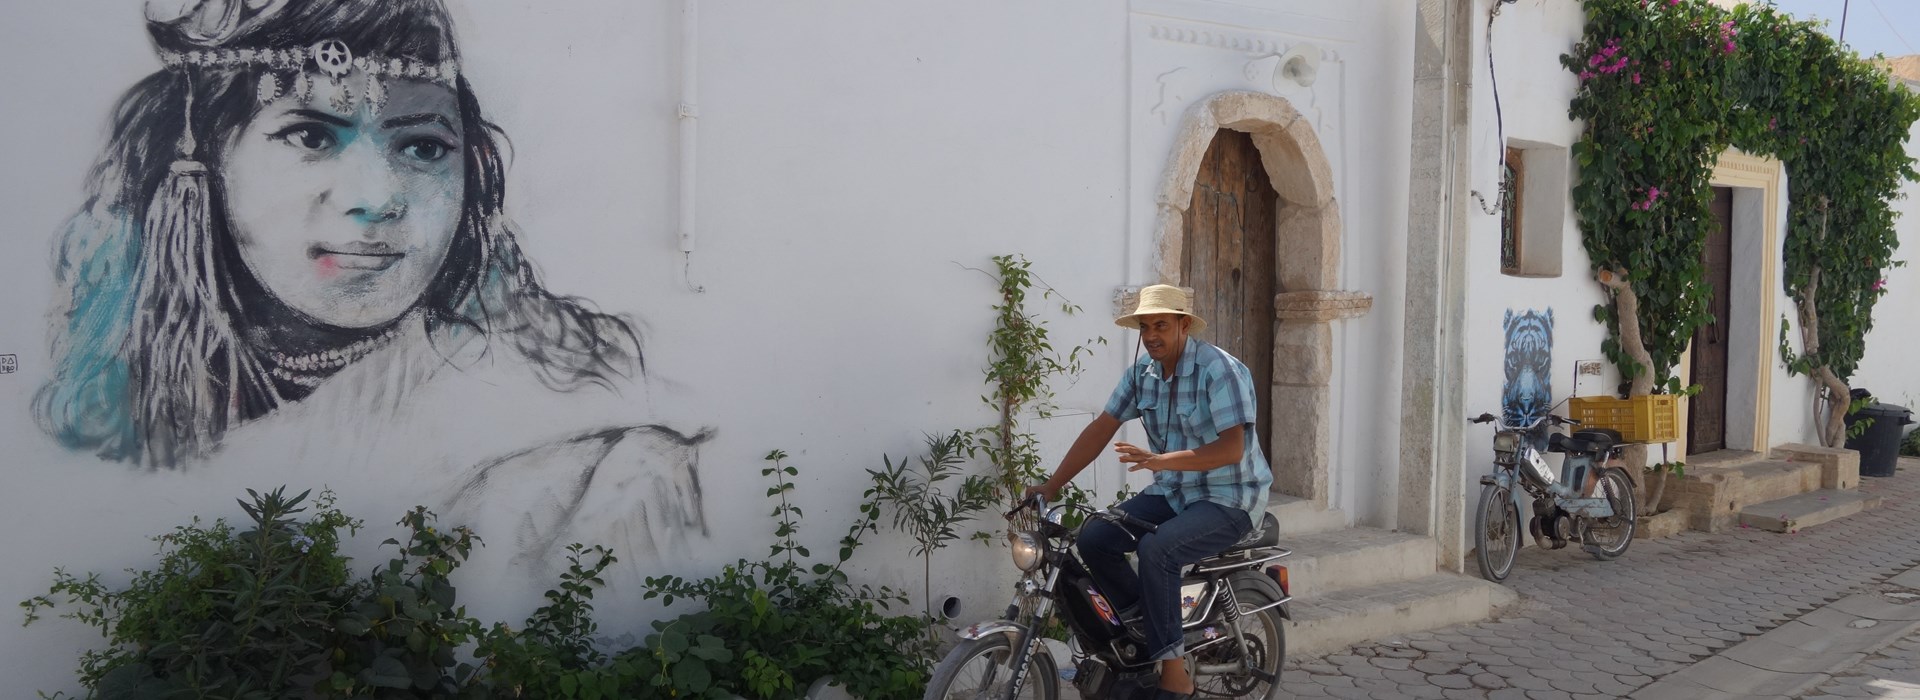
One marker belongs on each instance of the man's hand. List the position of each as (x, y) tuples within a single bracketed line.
[(1047, 491), (1139, 458)]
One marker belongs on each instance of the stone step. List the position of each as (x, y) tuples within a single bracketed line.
[(1335, 560), (1299, 516), (1721, 459), (1330, 622), (1806, 510), (1714, 496), (1776, 479)]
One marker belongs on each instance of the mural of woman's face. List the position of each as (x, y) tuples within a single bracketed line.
[(346, 216)]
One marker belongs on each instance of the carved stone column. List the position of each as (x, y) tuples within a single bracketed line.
[(1302, 371)]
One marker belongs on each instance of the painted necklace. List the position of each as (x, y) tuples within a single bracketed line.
[(310, 369)]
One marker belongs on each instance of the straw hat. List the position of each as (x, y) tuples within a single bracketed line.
[(1162, 299)]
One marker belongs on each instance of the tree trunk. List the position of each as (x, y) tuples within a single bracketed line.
[(1626, 314), (1833, 432)]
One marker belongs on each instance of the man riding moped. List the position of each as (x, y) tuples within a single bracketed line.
[(1210, 479)]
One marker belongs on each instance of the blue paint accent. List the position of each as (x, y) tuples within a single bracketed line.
[(89, 403)]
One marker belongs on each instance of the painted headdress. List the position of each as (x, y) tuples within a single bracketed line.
[(211, 24)]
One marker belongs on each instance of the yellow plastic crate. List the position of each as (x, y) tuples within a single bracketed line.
[(1652, 419)]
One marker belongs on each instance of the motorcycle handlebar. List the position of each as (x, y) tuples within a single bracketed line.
[(1127, 518)]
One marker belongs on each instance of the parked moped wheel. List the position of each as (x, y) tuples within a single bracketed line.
[(1496, 532), (1608, 538), (982, 668)]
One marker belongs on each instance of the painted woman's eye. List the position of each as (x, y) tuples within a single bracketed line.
[(307, 137), (426, 150)]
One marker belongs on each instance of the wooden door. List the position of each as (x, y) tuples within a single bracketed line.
[(1228, 260), (1707, 415)]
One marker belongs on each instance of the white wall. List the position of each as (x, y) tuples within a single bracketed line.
[(856, 158)]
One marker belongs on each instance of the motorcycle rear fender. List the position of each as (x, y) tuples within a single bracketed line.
[(981, 630)]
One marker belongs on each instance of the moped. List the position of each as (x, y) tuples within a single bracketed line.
[(1233, 606), (1587, 500)]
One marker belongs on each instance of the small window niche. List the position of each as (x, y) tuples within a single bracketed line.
[(1533, 212)]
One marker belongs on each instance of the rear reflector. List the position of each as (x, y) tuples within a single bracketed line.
[(1279, 575)]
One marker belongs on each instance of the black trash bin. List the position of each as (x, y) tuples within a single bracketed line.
[(1879, 445)]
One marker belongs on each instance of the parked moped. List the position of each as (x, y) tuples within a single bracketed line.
[(1233, 606), (1586, 500)]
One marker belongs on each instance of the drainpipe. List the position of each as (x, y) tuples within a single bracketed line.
[(689, 113), (1432, 496)]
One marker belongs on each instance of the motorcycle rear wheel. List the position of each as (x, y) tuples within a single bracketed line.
[(980, 669), (1609, 537), (1266, 639)]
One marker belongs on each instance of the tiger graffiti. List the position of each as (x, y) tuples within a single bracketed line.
[(1528, 393)]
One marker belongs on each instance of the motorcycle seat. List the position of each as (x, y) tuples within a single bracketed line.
[(1267, 535), (1587, 441)]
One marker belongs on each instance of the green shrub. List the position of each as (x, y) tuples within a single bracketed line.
[(770, 629)]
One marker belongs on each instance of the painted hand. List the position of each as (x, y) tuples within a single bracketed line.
[(1139, 458)]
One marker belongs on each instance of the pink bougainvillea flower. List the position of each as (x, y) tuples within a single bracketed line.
[(1584, 75), (1773, 122), (1672, 3), (1636, 78), (1666, 64), (1881, 285)]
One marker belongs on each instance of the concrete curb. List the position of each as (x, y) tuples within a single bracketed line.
[(1799, 655)]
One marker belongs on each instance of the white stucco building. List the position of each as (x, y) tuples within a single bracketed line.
[(793, 201)]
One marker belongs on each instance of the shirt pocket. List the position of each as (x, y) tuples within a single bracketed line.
[(1197, 423)]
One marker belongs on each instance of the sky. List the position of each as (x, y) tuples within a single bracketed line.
[(1891, 27)]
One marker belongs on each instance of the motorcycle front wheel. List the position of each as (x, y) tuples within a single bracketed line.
[(981, 669), (1496, 533)]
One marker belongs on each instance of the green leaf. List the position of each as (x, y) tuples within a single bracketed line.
[(388, 672)]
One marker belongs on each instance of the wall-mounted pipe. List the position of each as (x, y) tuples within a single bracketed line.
[(689, 113)]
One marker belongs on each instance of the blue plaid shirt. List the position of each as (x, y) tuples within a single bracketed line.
[(1209, 393)]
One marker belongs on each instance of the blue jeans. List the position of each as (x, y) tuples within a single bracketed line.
[(1202, 530)]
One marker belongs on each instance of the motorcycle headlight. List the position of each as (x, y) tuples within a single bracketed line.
[(1506, 441), (1026, 550)]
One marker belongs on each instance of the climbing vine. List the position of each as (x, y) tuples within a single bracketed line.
[(1665, 87)]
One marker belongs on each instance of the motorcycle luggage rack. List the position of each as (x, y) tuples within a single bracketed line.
[(1239, 560)]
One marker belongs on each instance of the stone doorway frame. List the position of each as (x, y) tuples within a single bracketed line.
[(1307, 252)]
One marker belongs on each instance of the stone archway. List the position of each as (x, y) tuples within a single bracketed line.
[(1307, 245)]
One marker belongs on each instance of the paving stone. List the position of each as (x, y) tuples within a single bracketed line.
[(1530, 682), (1549, 695), (1432, 667), (1572, 685), (1407, 677), (1508, 694), (1489, 681), (1390, 664), (1453, 694)]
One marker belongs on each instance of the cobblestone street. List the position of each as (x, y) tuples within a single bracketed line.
[(1591, 629), (1893, 673)]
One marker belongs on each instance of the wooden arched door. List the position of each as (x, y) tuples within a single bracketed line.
[(1228, 260)]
